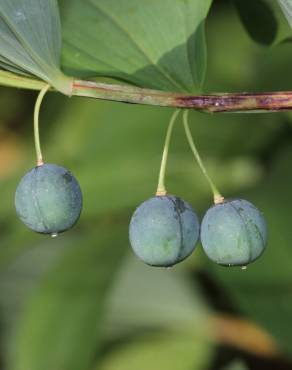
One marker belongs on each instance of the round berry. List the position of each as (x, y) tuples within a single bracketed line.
[(164, 231), (233, 233), (48, 199)]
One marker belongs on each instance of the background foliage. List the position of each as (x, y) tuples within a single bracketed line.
[(82, 301)]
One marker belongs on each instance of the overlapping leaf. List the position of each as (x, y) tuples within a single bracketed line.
[(158, 44), (155, 43), (30, 39)]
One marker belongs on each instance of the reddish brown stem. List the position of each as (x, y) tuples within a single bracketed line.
[(237, 102), (232, 102)]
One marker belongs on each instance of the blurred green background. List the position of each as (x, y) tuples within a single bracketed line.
[(82, 301)]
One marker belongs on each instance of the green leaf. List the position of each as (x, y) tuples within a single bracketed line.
[(286, 6), (30, 40), (61, 324), (7, 65), (259, 19), (155, 43)]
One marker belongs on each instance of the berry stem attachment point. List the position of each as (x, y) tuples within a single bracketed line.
[(218, 198), (38, 103), (161, 190)]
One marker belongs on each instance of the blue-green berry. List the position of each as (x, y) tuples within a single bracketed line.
[(48, 199), (233, 233), (164, 231)]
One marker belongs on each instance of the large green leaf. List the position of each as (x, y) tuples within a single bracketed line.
[(154, 43), (30, 39)]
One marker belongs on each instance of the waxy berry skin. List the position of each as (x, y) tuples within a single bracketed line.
[(164, 231), (48, 199), (233, 233)]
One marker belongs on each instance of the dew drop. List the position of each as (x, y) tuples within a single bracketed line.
[(243, 267), (54, 235)]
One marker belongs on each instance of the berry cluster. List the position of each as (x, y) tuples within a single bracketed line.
[(164, 230)]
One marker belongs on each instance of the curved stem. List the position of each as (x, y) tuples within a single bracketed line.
[(36, 125), (161, 190), (218, 198)]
